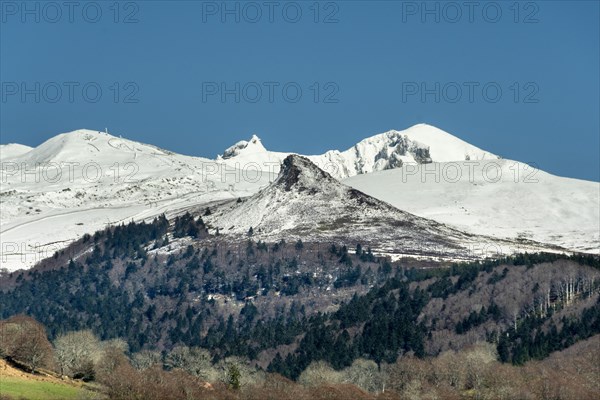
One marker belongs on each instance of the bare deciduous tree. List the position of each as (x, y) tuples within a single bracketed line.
[(146, 359), (195, 360), (24, 339), (366, 375), (75, 350), (318, 373)]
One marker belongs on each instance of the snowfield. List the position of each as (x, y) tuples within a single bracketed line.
[(418, 144), (499, 198), (12, 150), (82, 181)]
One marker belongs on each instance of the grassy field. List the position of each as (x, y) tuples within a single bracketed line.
[(19, 388), (18, 385)]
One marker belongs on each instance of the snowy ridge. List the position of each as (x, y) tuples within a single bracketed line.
[(307, 203), (303, 198), (105, 180), (419, 144), (86, 146), (249, 148), (443, 146), (500, 198), (12, 150), (79, 182)]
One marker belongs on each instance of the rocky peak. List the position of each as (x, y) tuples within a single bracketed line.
[(254, 145), (300, 173)]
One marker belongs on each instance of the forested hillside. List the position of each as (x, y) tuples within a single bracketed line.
[(283, 306)]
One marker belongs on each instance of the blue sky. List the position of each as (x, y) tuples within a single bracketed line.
[(168, 73)]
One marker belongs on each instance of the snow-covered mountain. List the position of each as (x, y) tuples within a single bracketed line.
[(500, 198), (433, 174), (82, 181), (79, 182), (420, 144), (303, 200), (307, 203)]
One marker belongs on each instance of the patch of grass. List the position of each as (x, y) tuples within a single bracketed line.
[(19, 388)]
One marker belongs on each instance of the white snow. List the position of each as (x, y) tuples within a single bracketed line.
[(12, 150), (82, 181), (306, 203), (380, 152), (500, 198), (444, 146)]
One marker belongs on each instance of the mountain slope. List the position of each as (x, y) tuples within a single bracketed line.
[(79, 182), (500, 198), (419, 144), (12, 150), (82, 181), (307, 203)]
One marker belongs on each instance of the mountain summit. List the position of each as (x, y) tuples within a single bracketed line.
[(252, 147), (420, 144), (300, 173), (305, 202)]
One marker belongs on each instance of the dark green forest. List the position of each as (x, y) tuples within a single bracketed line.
[(125, 287)]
